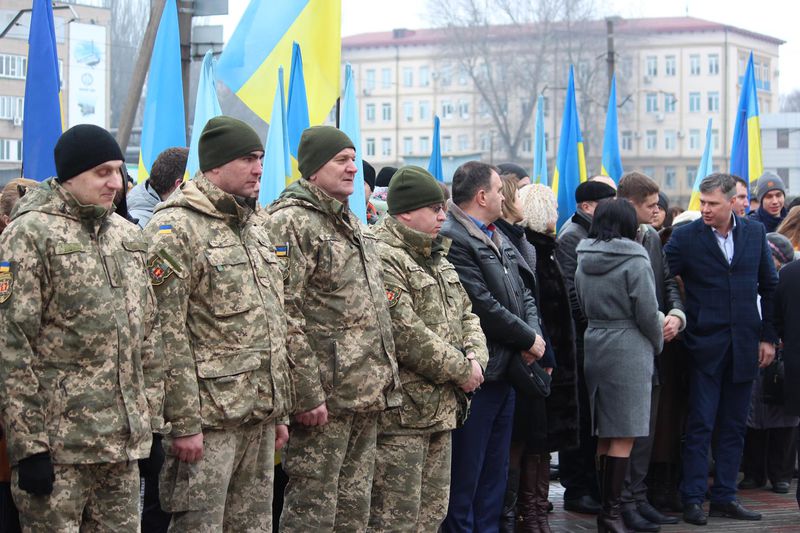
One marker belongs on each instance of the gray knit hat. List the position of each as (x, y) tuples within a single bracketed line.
[(781, 247), (769, 182)]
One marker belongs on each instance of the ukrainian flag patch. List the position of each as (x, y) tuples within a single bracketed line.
[(282, 251), (165, 229), (5, 266)]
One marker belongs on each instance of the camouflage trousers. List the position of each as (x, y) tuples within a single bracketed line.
[(330, 475), (229, 489), (411, 488), (85, 498)]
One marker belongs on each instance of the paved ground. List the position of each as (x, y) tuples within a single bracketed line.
[(780, 515)]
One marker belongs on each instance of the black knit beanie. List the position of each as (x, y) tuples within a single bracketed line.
[(83, 147), (225, 139), (369, 175), (385, 176), (318, 145), (412, 187)]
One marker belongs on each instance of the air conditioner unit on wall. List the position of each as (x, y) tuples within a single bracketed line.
[(18, 121)]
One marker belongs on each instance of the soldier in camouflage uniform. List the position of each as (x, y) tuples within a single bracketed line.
[(219, 290), (441, 351), (340, 335), (81, 380)]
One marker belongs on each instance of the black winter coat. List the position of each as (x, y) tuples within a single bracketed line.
[(489, 272), (787, 316)]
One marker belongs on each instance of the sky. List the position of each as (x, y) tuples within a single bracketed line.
[(776, 18)]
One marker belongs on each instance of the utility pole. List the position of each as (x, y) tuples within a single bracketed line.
[(139, 73), (185, 14), (610, 55)]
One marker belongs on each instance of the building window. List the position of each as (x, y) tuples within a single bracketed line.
[(627, 67), (715, 139), (447, 144), (463, 109), (408, 145), (691, 175), (694, 139), (370, 82), (545, 106), (370, 146), (527, 143), (652, 139), (627, 140), (370, 112), (408, 77), (651, 102), (386, 78), (483, 108), (713, 102), (486, 143), (670, 139), (386, 147), (651, 66), (463, 76), (669, 103), (713, 64), (408, 111), (386, 111), (669, 66), (783, 137), (694, 102), (446, 75), (10, 150), (424, 110), (649, 171), (447, 109), (669, 177), (11, 106), (463, 143), (694, 64), (424, 76), (13, 66), (424, 145)]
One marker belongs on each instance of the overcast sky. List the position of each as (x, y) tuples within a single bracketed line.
[(777, 18)]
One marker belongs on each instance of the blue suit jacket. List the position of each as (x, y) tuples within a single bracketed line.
[(721, 308)]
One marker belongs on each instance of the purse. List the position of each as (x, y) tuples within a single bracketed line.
[(528, 380), (772, 383)]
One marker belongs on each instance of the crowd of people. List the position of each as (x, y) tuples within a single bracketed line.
[(291, 368)]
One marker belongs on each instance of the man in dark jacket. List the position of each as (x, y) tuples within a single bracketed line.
[(721, 259), (642, 193), (577, 466), (487, 268)]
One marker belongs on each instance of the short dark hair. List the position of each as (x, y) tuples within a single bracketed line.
[(614, 218), (636, 187), (470, 178), (739, 179), (169, 166), (724, 182)]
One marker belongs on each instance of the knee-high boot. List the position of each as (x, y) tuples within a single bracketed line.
[(528, 497), (613, 471), (542, 493), (508, 517)]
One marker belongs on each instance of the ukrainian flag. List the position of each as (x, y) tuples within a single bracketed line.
[(164, 124), (277, 164), (351, 126), (263, 42), (540, 148), (297, 120), (611, 162), (705, 168), (42, 124), (435, 162), (746, 161), (571, 162)]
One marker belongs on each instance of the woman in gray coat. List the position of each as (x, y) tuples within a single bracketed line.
[(615, 288)]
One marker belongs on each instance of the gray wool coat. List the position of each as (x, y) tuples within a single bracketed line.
[(616, 290)]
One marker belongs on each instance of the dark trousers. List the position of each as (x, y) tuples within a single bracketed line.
[(480, 462), (715, 401), (769, 454), (576, 466), (635, 489)]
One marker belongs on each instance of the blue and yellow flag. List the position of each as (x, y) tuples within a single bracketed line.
[(206, 107), (611, 162), (164, 124), (350, 124), (297, 107), (705, 168), (277, 164), (571, 162), (263, 41), (42, 118), (435, 162), (539, 146), (746, 161)]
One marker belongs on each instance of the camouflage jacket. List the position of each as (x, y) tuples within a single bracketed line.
[(81, 373), (340, 332), (220, 293), (433, 329)]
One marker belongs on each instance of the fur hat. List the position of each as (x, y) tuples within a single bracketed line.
[(539, 207)]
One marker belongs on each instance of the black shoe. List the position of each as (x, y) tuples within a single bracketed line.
[(651, 514), (549, 506), (780, 487), (585, 504), (733, 509), (633, 520), (749, 483), (554, 472), (693, 513)]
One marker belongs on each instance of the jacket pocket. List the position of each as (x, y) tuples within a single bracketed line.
[(426, 296), (228, 389), (230, 271), (421, 400)]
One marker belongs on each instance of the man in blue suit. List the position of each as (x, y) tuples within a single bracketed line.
[(724, 261)]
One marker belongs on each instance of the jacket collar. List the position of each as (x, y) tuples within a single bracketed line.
[(416, 243), (582, 219), (473, 230)]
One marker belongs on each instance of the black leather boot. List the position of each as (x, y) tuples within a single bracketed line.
[(508, 517), (613, 471)]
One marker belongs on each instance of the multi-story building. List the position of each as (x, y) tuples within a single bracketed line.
[(780, 146), (83, 47), (673, 75)]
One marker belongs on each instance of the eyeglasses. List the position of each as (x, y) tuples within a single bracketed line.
[(436, 208)]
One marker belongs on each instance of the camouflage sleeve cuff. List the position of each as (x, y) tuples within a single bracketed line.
[(308, 402), (185, 428), (20, 448)]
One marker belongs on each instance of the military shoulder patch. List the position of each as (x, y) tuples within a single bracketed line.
[(393, 295), (6, 281), (159, 270), (282, 251)]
